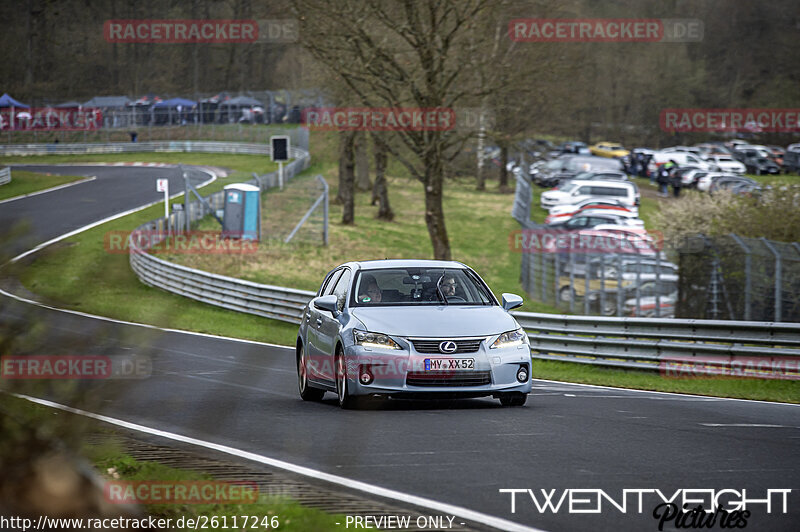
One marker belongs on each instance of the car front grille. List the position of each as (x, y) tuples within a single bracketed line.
[(432, 346), (449, 378)]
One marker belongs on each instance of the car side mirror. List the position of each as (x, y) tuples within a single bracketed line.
[(328, 303), (511, 301)]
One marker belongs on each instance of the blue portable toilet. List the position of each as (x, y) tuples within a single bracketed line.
[(242, 215)]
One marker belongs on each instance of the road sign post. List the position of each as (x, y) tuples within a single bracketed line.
[(162, 185), (279, 153)]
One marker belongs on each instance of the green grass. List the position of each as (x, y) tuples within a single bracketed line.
[(23, 182), (776, 180), (760, 389)]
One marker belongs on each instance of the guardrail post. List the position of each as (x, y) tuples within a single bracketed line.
[(586, 287), (557, 275), (572, 282), (658, 284), (747, 275), (638, 285), (602, 285), (778, 291), (619, 285), (324, 210), (544, 277)]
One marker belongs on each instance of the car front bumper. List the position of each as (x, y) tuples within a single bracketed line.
[(402, 372)]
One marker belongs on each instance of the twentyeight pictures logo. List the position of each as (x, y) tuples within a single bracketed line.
[(201, 31), (605, 30)]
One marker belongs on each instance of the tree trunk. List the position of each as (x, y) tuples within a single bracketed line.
[(503, 170), (363, 183), (347, 176), (380, 192), (434, 211)]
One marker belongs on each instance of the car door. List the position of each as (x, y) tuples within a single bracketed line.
[(314, 320), (330, 326)]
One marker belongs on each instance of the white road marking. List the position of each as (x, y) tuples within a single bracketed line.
[(370, 489), (51, 189), (754, 425)]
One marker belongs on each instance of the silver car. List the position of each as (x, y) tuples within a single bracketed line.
[(417, 328)]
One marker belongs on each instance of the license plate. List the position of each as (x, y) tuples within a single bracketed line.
[(449, 364)]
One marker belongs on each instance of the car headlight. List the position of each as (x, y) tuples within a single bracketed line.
[(511, 339), (374, 340)]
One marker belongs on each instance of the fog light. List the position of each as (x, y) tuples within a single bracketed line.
[(522, 374), (365, 377)]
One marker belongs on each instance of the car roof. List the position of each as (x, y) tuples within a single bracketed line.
[(406, 263)]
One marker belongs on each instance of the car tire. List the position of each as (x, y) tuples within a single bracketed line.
[(346, 401), (307, 392), (513, 399)]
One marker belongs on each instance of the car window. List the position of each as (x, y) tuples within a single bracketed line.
[(329, 283), (583, 190), (340, 291), (418, 286)]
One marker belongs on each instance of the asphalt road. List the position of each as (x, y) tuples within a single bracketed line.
[(568, 436)]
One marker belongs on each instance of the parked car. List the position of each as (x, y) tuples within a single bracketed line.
[(394, 328), (643, 269), (647, 306), (590, 219), (609, 149), (726, 163), (761, 165), (564, 212), (571, 147), (576, 191), (736, 184), (681, 158), (647, 291), (791, 160), (565, 167), (704, 182)]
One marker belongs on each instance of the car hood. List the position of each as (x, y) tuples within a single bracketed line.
[(436, 320)]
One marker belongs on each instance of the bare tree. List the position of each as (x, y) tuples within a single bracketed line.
[(399, 54), (380, 192), (346, 195)]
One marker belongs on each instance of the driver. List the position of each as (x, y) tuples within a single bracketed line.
[(373, 293), (448, 285)]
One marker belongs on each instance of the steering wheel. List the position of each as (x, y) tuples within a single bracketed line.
[(455, 299)]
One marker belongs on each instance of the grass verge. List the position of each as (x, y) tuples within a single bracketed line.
[(761, 389), (23, 182)]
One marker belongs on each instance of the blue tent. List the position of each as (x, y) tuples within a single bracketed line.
[(175, 102), (8, 101)]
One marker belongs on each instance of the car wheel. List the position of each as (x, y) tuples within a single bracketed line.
[(513, 399), (346, 400), (307, 392), (566, 294)]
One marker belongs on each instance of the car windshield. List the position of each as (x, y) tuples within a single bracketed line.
[(569, 187), (419, 286)]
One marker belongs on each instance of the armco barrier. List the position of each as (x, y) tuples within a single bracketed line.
[(645, 343), (132, 147), (5, 175)]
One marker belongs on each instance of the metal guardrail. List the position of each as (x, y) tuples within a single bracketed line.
[(649, 343), (285, 304), (154, 146), (5, 175)]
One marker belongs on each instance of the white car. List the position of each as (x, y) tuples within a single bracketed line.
[(704, 183), (690, 177), (727, 164), (576, 191), (681, 158)]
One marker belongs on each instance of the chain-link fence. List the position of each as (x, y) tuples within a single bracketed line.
[(298, 212), (619, 272), (738, 278)]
